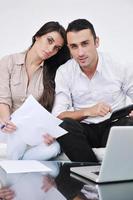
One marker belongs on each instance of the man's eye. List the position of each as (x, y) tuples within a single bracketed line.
[(85, 44), (73, 47)]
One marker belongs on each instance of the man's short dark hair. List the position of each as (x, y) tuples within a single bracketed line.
[(80, 24)]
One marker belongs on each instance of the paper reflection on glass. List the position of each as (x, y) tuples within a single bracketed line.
[(31, 185)]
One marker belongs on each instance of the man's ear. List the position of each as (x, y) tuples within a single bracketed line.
[(97, 42), (36, 38)]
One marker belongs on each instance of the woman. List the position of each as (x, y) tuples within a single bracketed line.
[(32, 72)]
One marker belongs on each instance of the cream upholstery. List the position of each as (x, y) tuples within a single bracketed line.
[(98, 151)]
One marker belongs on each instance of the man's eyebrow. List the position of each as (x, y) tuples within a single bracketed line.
[(85, 41), (73, 44)]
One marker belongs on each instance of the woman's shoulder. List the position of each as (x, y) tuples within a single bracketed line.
[(11, 60), (16, 57)]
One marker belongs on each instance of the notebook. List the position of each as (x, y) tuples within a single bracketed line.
[(117, 164), (122, 112)]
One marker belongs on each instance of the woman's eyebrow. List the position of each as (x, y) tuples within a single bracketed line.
[(50, 37)]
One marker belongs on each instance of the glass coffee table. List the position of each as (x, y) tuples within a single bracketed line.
[(61, 184)]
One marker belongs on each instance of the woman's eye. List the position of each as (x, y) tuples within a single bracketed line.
[(50, 41), (57, 48)]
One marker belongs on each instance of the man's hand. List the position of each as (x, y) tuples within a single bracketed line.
[(48, 139), (6, 193), (100, 109), (131, 114)]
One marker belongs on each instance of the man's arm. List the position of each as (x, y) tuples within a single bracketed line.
[(63, 101), (100, 109)]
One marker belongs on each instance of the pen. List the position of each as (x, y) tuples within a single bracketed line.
[(2, 126)]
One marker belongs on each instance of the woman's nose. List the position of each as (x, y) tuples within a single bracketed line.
[(51, 49)]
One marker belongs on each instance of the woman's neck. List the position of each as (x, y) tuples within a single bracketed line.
[(32, 60), (32, 63)]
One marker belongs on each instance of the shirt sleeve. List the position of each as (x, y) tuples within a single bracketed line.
[(5, 91), (128, 80), (63, 101)]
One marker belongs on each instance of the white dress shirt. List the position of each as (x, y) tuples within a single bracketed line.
[(111, 84)]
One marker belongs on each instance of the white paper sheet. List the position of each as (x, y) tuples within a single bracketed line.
[(33, 121), (23, 166)]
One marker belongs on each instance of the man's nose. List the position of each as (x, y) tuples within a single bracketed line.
[(80, 51)]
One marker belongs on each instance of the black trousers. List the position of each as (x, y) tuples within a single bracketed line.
[(77, 144)]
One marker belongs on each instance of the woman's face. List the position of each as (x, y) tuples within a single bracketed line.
[(48, 45)]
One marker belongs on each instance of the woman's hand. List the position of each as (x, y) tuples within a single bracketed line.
[(5, 121), (7, 126), (6, 193), (48, 139), (48, 182)]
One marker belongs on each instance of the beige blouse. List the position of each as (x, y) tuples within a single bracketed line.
[(14, 87)]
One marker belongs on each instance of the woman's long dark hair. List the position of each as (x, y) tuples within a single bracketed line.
[(50, 66)]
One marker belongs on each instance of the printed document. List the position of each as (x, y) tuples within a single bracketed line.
[(33, 121)]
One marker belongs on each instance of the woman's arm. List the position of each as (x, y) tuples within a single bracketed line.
[(6, 65), (6, 125), (4, 112)]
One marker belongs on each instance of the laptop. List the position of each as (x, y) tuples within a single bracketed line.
[(118, 191), (117, 164)]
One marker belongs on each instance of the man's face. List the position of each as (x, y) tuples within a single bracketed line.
[(83, 47)]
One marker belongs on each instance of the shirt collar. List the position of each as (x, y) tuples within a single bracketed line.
[(99, 65), (20, 58)]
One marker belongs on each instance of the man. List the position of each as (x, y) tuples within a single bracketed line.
[(88, 88)]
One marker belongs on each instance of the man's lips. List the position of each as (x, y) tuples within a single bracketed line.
[(82, 59)]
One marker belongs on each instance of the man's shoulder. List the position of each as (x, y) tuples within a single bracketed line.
[(111, 58), (70, 65), (115, 64)]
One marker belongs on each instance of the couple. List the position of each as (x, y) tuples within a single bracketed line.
[(86, 89)]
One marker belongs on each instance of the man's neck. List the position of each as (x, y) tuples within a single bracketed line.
[(90, 70)]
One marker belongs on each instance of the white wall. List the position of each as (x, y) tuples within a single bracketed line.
[(112, 19)]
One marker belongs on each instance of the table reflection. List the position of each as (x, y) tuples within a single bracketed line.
[(34, 186), (58, 184)]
